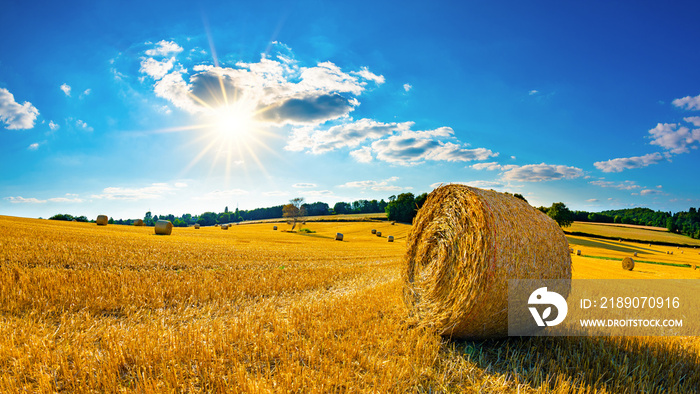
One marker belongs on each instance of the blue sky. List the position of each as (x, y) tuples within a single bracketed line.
[(186, 107)]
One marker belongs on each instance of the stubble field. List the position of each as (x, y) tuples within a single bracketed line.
[(85, 308)]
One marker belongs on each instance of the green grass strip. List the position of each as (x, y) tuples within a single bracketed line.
[(639, 261)]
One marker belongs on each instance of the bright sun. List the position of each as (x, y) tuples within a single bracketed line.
[(233, 121)]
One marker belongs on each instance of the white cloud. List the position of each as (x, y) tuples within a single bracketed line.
[(155, 190), (66, 89), (695, 120), (86, 93), (541, 172), (304, 185), (349, 135), (493, 166), (690, 103), (156, 69), (164, 48), (369, 76), (16, 116), (22, 200), (624, 163), (362, 155), (33, 146), (374, 185), (222, 194), (651, 192), (276, 193), (315, 193), (413, 147), (532, 92), (407, 87), (674, 138), (66, 200), (592, 200), (180, 185), (83, 126), (626, 185), (53, 126), (278, 91)]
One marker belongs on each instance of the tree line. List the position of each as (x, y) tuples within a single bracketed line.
[(403, 208)]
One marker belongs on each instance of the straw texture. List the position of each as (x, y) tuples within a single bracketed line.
[(164, 227), (628, 264), (464, 246), (102, 220)]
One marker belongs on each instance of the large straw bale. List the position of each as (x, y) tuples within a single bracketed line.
[(464, 246), (196, 226), (578, 252), (138, 222), (274, 227), (379, 233), (338, 236), (390, 238), (164, 227), (102, 220), (628, 264), (374, 231)]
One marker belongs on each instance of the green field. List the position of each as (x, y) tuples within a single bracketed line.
[(630, 234)]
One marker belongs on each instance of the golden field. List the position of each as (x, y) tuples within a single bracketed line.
[(85, 308)]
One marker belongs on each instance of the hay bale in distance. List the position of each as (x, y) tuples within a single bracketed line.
[(571, 250), (274, 227), (390, 238), (635, 254), (379, 233), (138, 222), (164, 227), (374, 231), (628, 264), (224, 226), (196, 226), (102, 220), (338, 236), (578, 252), (467, 297), (74, 221)]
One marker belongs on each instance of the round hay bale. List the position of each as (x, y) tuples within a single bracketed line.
[(635, 254), (224, 226), (393, 223), (274, 227), (196, 226), (390, 238), (102, 220), (74, 221), (164, 227), (464, 246), (138, 222), (379, 233), (338, 236), (374, 231), (571, 250), (627, 264), (578, 252)]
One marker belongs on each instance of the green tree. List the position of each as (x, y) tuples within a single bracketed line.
[(561, 214), (402, 208), (294, 210)]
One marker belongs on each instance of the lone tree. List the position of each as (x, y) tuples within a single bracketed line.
[(561, 214), (294, 210)]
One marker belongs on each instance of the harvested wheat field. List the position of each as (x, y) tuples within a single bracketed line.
[(87, 308)]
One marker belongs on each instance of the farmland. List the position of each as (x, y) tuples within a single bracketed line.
[(112, 308)]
